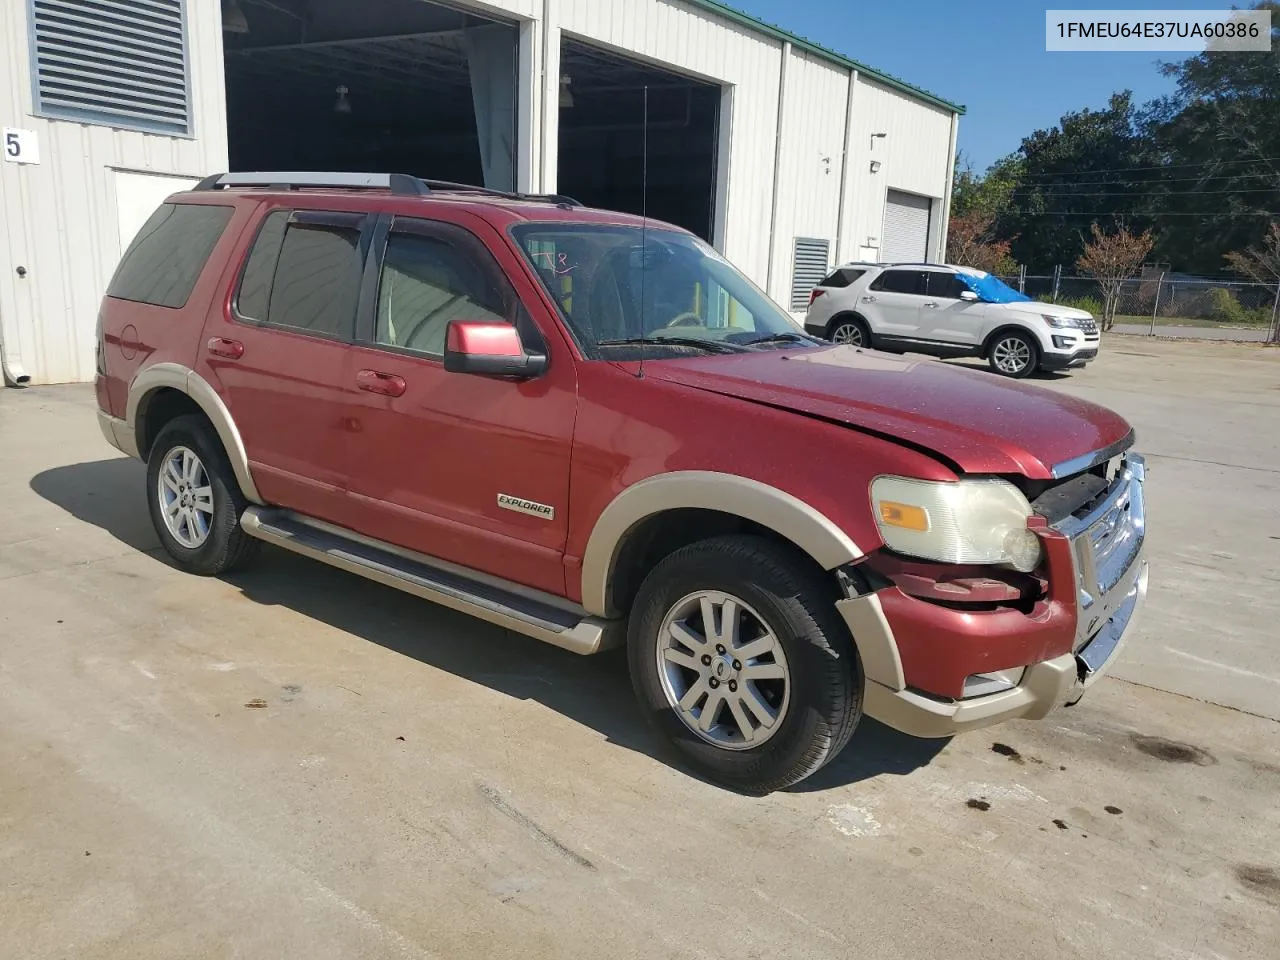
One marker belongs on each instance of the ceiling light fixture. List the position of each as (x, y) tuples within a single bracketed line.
[(233, 18), (342, 104)]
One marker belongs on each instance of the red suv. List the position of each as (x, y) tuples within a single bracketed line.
[(591, 429)]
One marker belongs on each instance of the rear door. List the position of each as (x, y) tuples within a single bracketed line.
[(279, 355), (892, 302), (946, 318), (434, 455)]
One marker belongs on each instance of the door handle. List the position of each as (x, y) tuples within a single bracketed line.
[(387, 384), (868, 299), (931, 304), (222, 347)]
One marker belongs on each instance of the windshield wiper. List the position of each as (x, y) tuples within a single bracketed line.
[(780, 338), (711, 346)]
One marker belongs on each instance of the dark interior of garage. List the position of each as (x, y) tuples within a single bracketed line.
[(407, 86), (379, 86), (603, 157)]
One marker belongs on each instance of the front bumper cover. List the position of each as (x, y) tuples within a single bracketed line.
[(1109, 567)]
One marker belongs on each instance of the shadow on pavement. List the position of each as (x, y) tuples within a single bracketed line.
[(593, 691)]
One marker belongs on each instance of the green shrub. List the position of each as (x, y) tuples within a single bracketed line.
[(1091, 305), (1224, 307)]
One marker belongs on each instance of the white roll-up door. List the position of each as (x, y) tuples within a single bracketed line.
[(906, 228)]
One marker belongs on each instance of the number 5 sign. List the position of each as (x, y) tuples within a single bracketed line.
[(19, 146)]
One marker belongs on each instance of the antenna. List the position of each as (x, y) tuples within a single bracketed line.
[(644, 223)]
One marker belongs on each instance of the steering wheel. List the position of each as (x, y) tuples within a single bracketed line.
[(687, 319)]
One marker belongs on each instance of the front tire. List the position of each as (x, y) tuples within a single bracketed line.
[(1014, 354), (738, 657), (195, 500)]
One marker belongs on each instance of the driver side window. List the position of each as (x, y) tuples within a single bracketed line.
[(946, 285), (428, 281)]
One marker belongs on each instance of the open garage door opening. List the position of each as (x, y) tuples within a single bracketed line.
[(602, 138), (385, 86)]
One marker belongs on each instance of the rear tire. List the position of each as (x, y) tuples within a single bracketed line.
[(1014, 354), (785, 664), (195, 499), (852, 331)]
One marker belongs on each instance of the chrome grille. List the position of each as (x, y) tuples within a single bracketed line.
[(1107, 537)]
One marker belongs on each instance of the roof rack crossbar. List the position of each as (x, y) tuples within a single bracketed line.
[(398, 183), (401, 184)]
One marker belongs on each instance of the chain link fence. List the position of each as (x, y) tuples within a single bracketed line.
[(1165, 306)]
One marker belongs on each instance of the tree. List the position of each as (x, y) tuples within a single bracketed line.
[(1219, 135), (1261, 264), (970, 243), (1112, 258)]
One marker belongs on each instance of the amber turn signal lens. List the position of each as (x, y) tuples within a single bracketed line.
[(904, 515)]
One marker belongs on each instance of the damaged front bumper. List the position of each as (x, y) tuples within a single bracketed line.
[(1104, 545)]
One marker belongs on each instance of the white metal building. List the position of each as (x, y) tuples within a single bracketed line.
[(785, 155)]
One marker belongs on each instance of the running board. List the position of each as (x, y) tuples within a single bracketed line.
[(552, 620)]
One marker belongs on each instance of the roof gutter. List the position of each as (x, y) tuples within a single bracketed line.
[(826, 53)]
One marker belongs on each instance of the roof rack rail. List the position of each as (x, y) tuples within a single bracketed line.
[(400, 184), (450, 185)]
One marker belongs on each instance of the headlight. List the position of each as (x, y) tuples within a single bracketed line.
[(1059, 322), (969, 521)]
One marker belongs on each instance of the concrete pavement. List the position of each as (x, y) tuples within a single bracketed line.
[(296, 762)]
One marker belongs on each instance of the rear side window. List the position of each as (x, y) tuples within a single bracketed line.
[(303, 273), (165, 259), (842, 278), (900, 281)]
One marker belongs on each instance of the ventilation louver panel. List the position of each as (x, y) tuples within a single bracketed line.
[(809, 268), (117, 62)]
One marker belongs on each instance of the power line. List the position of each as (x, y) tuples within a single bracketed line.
[(1128, 180), (1146, 193), (1163, 166), (1157, 214)]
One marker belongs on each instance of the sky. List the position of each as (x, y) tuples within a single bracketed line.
[(986, 55)]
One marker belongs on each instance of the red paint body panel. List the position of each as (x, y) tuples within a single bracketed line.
[(984, 424), (390, 444), (941, 645)]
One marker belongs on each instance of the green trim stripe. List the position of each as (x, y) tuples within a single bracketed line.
[(754, 23)]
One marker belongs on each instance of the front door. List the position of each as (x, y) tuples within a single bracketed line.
[(892, 303), (944, 317), (470, 469), (281, 357)]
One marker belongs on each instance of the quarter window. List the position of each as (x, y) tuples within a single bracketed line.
[(842, 278), (167, 256), (900, 281)]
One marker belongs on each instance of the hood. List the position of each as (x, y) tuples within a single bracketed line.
[(979, 422), (1051, 310)]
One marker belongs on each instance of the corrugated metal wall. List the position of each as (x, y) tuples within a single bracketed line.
[(914, 156), (58, 218), (810, 155)]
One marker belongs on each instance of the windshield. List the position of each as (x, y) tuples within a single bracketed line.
[(618, 284), (991, 289)]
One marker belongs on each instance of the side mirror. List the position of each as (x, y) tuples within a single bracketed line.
[(489, 349), (968, 295)]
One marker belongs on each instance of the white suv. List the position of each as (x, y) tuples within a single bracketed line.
[(949, 312)]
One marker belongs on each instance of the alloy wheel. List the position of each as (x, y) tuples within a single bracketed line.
[(847, 333), (723, 670), (1012, 355), (186, 497)]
